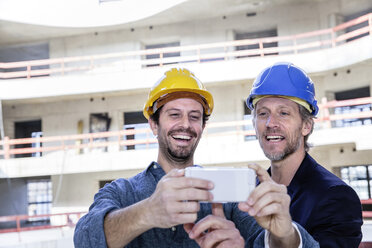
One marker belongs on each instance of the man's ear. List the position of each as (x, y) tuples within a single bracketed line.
[(153, 126), (307, 126)]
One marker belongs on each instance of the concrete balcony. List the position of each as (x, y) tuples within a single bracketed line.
[(316, 52)]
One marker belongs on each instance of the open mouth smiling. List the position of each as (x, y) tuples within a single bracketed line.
[(181, 137), (274, 138)]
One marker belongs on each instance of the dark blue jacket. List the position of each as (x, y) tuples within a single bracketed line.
[(325, 206)]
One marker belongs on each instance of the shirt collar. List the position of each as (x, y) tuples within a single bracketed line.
[(157, 171), (301, 175)]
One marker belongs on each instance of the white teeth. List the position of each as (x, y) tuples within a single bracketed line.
[(274, 137), (184, 137)]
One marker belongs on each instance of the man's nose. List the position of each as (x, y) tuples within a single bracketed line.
[(185, 122), (272, 121)]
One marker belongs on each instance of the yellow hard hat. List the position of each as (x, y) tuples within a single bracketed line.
[(177, 80)]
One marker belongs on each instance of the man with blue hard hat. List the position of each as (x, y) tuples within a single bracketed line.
[(284, 107)]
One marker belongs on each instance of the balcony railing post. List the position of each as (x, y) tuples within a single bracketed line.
[(63, 67), (119, 140), (6, 147), (261, 48), (28, 71), (161, 58), (333, 37), (90, 142), (327, 121), (225, 52), (295, 45), (91, 63), (18, 223)]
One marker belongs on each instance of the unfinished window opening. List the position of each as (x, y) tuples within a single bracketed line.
[(352, 94), (136, 121), (39, 197), (163, 55), (254, 49)]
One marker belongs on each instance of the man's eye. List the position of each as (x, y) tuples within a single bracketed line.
[(284, 113), (174, 115), (195, 117)]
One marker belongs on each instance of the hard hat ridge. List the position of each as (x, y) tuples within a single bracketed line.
[(183, 82), (286, 80)]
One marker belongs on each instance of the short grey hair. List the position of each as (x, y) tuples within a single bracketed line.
[(306, 116)]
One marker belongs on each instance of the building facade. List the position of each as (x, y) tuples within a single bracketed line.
[(72, 98)]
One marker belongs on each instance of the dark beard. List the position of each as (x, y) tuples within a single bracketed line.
[(180, 156)]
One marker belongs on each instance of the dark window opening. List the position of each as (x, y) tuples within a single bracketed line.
[(99, 122), (359, 178), (103, 183), (352, 94), (133, 121), (164, 55), (253, 47), (25, 53), (358, 26), (28, 129), (39, 197)]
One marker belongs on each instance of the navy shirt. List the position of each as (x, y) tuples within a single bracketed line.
[(121, 193), (325, 206)]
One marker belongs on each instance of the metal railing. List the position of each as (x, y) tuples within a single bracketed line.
[(367, 214), (231, 50), (89, 141), (21, 223)]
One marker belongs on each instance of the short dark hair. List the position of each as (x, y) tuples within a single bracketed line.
[(156, 115)]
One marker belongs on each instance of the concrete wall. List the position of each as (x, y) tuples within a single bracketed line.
[(288, 19), (60, 117), (76, 191)]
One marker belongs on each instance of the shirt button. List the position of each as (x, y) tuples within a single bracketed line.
[(155, 166), (173, 228)]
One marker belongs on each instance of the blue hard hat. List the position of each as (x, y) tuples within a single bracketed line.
[(284, 79)]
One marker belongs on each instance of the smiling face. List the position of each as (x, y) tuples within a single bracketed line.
[(179, 130), (279, 128)]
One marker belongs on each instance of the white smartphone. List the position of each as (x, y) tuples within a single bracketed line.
[(230, 184)]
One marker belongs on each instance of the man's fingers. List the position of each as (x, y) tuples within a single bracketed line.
[(264, 189), (210, 222), (262, 174), (188, 227), (188, 182), (223, 238), (217, 210), (263, 194), (270, 204)]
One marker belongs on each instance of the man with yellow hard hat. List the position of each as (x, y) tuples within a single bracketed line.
[(159, 207)]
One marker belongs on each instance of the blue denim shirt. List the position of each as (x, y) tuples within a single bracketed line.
[(125, 192)]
